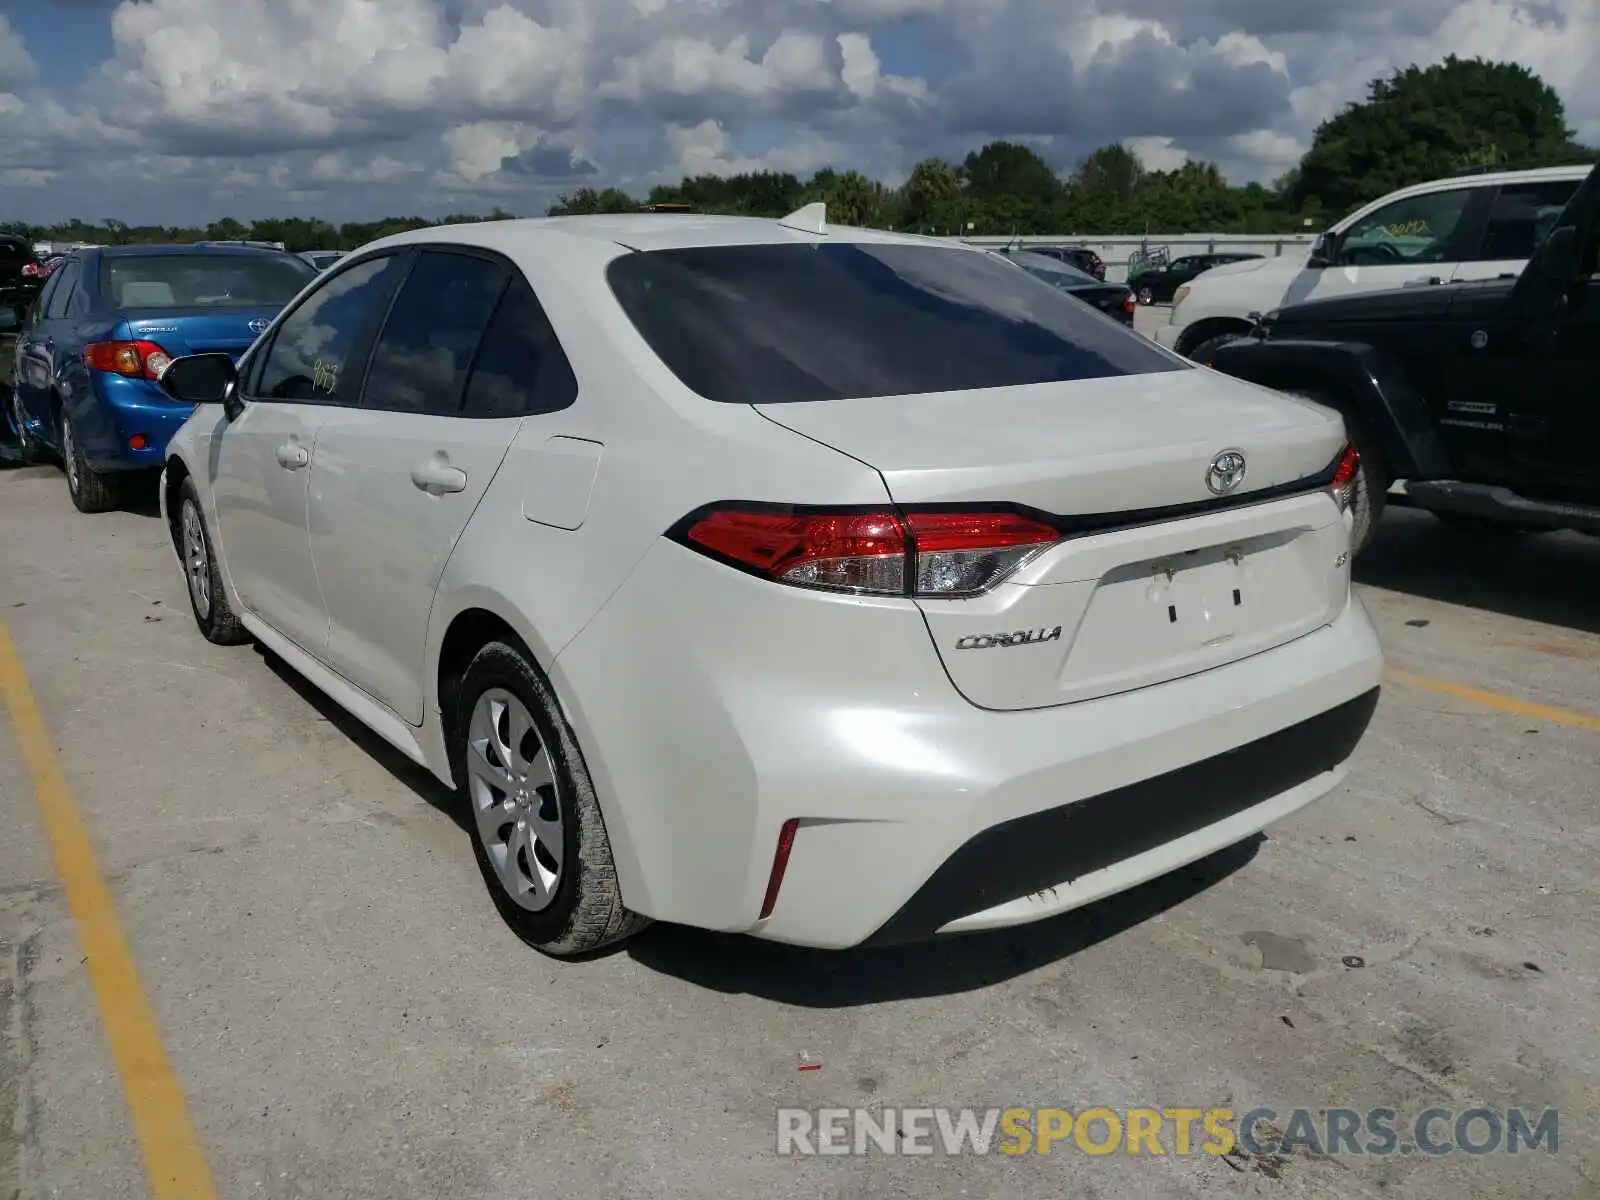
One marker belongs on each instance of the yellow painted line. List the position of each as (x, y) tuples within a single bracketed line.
[(1510, 704), (174, 1164)]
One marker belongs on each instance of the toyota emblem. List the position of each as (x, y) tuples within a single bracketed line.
[(1226, 472), (259, 326)]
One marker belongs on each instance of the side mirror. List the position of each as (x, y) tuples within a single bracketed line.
[(1323, 250), (200, 378), (1558, 255)]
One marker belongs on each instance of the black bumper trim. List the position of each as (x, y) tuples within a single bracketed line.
[(1056, 846), (1501, 504)]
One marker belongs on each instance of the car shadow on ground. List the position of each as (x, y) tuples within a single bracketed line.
[(418, 778), (833, 978), (1553, 578), (806, 978)]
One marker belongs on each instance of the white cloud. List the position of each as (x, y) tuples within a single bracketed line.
[(16, 64), (403, 104)]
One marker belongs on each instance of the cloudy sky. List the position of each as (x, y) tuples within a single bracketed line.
[(179, 111)]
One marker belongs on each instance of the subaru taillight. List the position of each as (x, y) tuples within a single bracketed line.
[(135, 360), (1343, 484), (930, 554)]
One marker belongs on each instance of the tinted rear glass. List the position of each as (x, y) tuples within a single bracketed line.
[(202, 280), (785, 323)]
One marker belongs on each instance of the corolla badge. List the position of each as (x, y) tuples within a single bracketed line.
[(259, 326), (1226, 472)]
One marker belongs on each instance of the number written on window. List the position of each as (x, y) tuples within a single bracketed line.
[(313, 344)]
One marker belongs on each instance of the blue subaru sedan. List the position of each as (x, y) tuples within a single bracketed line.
[(94, 344)]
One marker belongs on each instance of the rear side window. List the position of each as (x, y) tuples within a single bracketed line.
[(1520, 217), (421, 358), (521, 369), (61, 298), (774, 324), (203, 280)]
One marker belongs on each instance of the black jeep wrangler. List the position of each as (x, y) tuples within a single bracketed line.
[(1483, 398)]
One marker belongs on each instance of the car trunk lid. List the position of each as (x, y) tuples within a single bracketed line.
[(181, 331), (1156, 575)]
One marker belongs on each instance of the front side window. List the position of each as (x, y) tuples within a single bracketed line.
[(1417, 229), (421, 358), (769, 324), (202, 280), (310, 356), (1521, 216)]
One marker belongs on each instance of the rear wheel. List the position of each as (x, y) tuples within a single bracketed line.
[(91, 491), (1146, 296), (1205, 349), (536, 827)]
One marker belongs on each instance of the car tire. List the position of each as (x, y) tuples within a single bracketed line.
[(1211, 345), (536, 827), (91, 491), (1146, 297), (202, 577)]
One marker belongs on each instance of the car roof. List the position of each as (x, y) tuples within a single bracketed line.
[(178, 249), (653, 231)]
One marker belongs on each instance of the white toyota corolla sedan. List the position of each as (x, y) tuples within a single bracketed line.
[(829, 585)]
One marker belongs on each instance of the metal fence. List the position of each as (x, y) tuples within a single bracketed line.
[(1116, 251)]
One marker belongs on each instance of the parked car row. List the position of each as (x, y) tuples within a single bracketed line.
[(828, 585), (531, 499)]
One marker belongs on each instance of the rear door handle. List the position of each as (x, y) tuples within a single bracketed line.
[(292, 456), (437, 476)]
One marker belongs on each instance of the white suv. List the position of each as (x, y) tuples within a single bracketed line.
[(1468, 226), (818, 583)]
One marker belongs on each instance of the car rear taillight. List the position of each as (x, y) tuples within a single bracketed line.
[(1343, 484), (1130, 303), (135, 360), (879, 551), (32, 271)]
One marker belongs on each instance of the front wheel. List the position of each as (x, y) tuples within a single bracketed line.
[(1146, 297), (536, 827), (91, 491), (203, 578)]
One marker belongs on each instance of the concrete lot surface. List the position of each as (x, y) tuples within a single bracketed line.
[(347, 1016)]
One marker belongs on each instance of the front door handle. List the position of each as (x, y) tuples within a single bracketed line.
[(292, 456), (437, 476)]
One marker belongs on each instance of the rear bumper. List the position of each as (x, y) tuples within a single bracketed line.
[(714, 708), (1060, 858), (124, 409), (1168, 335), (1501, 504)]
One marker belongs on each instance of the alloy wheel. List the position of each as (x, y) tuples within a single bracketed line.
[(516, 802), (69, 455), (196, 560)]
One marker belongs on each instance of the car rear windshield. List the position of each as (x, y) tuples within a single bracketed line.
[(773, 324), (202, 280)]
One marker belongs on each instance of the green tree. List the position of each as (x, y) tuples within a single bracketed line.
[(930, 198), (1424, 122)]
